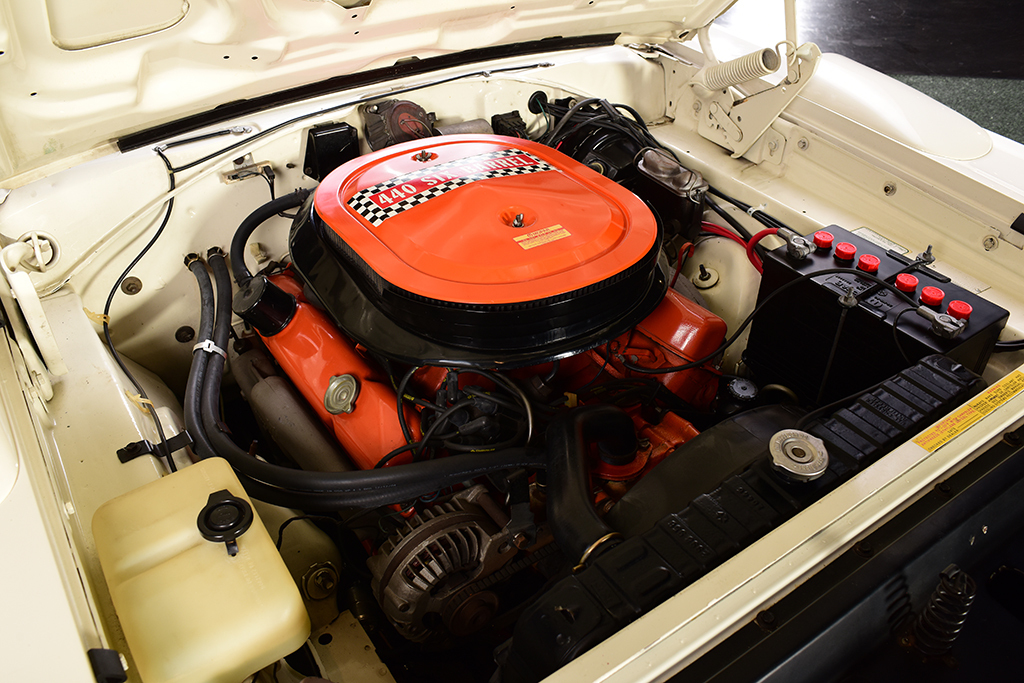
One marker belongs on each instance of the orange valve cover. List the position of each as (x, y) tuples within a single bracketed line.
[(313, 353), (478, 250)]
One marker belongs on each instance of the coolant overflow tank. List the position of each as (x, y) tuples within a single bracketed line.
[(191, 611)]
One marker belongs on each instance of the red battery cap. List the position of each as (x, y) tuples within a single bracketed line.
[(868, 263), (905, 282), (932, 296), (845, 251), (823, 239), (961, 310)]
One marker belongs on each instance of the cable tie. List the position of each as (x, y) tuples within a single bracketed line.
[(139, 401), (100, 318), (209, 347)]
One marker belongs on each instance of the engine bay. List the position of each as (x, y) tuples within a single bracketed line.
[(497, 382)]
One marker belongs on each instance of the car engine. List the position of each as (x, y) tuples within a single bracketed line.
[(510, 384), (525, 431)]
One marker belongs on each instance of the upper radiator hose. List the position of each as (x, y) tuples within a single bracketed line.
[(253, 221), (574, 522)]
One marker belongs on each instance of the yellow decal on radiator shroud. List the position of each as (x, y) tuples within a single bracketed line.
[(542, 236), (965, 416)]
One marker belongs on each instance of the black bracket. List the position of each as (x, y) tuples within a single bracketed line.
[(521, 529), (106, 666), (1018, 224), (144, 447)]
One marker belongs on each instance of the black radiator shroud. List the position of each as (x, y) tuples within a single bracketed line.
[(668, 552)]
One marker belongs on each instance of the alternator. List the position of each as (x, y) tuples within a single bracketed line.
[(433, 557)]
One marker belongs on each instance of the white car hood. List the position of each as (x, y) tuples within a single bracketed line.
[(76, 75)]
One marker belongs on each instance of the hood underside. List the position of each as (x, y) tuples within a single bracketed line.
[(78, 74)]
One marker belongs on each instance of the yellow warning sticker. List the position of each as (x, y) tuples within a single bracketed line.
[(542, 236), (960, 420)]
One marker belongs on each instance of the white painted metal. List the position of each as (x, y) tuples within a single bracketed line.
[(24, 292), (43, 597), (893, 109), (347, 653), (60, 106), (738, 123), (734, 291), (830, 168)]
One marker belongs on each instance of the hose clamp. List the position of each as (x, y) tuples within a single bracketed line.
[(210, 347), (613, 536)]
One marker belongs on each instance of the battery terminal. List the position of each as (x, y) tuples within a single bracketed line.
[(797, 246), (943, 324)]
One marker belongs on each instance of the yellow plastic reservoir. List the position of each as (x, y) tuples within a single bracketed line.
[(192, 611)]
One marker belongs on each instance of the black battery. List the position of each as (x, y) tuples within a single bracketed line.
[(810, 338)]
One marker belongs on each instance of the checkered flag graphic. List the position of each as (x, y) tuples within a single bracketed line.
[(364, 205)]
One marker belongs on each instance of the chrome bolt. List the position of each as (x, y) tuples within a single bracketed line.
[(131, 286), (320, 581), (324, 579), (889, 189), (518, 221), (849, 300), (803, 144), (990, 243)]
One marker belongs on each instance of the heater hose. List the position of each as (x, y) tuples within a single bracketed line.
[(253, 221)]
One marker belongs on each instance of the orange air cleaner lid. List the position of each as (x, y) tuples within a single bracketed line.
[(483, 220), (477, 249)]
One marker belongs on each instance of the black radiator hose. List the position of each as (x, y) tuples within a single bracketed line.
[(200, 358), (351, 489), (253, 221), (209, 405), (574, 522), (333, 490)]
